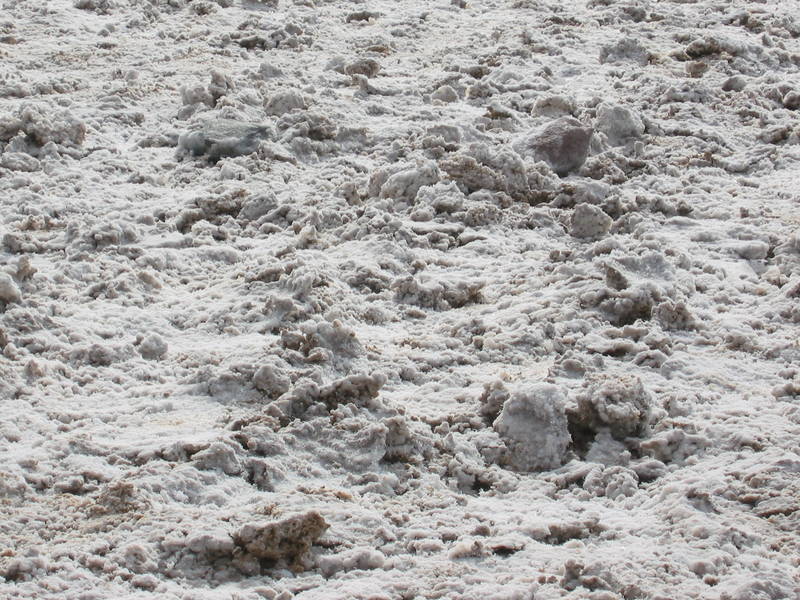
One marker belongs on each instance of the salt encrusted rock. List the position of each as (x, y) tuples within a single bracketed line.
[(272, 380), (221, 84), (36, 126), (153, 347), (734, 84), (589, 221), (444, 93), (673, 316), (405, 184), (702, 47), (220, 138), (533, 425), (617, 403), (19, 161), (620, 124), (101, 7), (286, 540), (625, 50), (369, 67), (792, 100), (9, 292), (553, 106), (219, 456), (284, 102), (563, 144), (495, 394), (269, 71), (481, 167)]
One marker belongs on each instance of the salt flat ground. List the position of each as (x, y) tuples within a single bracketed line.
[(382, 300)]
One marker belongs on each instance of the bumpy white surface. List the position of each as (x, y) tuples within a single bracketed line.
[(271, 270)]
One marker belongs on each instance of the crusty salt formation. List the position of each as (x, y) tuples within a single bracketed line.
[(619, 123), (221, 138), (563, 144), (286, 540), (620, 404), (533, 426)]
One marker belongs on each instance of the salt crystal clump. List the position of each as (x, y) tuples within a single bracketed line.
[(153, 347), (369, 67), (735, 83), (620, 124), (101, 7), (444, 93), (553, 106), (223, 137), (792, 100), (19, 161), (533, 425), (563, 144), (287, 540), (9, 292), (35, 126), (272, 380), (589, 221), (625, 50), (405, 184), (481, 167), (284, 102), (617, 403), (673, 316)]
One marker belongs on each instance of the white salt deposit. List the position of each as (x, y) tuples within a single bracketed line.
[(388, 300)]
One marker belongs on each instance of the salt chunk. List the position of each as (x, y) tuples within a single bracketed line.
[(284, 102), (533, 425), (445, 94), (224, 137), (792, 100), (369, 67), (563, 144), (589, 221), (153, 347), (271, 380), (405, 184), (19, 161), (9, 292), (734, 84), (619, 123), (620, 404)]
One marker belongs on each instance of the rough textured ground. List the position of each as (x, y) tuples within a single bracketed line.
[(391, 300)]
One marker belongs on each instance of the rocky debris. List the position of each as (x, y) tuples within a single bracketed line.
[(153, 347)]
